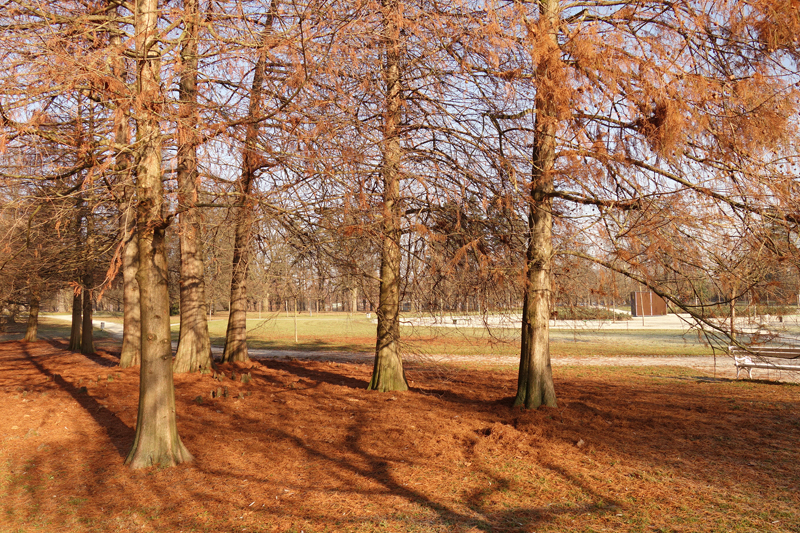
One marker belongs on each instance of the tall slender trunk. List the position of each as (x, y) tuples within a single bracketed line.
[(131, 316), (535, 384), (77, 304), (236, 333), (75, 330), (87, 332), (387, 372), (156, 440), (194, 345), (34, 299), (131, 354)]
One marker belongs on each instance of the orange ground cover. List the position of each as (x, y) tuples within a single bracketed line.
[(304, 447)]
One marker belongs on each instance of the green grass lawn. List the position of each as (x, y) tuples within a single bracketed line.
[(356, 333), (50, 329), (340, 332)]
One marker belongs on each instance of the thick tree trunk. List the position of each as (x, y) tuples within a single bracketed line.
[(194, 345), (87, 332), (156, 440), (34, 299), (535, 384), (75, 331), (236, 333), (387, 372)]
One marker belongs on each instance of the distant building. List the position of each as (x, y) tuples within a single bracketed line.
[(647, 303)]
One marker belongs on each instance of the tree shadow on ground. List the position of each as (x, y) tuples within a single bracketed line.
[(302, 370), (284, 457), (100, 357), (117, 430)]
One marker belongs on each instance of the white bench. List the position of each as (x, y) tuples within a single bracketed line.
[(771, 358)]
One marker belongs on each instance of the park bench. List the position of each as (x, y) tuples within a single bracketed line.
[(771, 358)]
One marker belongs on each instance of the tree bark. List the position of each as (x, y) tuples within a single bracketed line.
[(131, 354), (75, 330), (131, 316), (236, 333), (535, 383), (87, 332), (156, 440), (34, 299), (387, 372), (194, 345), (77, 304)]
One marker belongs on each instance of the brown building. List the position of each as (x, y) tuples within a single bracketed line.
[(647, 303)]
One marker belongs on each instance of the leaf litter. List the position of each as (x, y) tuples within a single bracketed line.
[(302, 446)]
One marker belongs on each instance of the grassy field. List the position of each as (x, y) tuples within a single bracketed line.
[(338, 332), (343, 333)]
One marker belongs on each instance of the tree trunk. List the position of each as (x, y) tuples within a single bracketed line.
[(34, 299), (131, 317), (87, 333), (156, 440), (236, 333), (194, 345), (387, 372), (75, 331), (535, 384)]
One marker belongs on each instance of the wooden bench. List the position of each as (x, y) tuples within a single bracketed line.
[(771, 358)]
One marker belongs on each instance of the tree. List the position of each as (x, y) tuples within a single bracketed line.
[(236, 332), (387, 372), (194, 345), (535, 383), (130, 354), (156, 440), (639, 109)]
